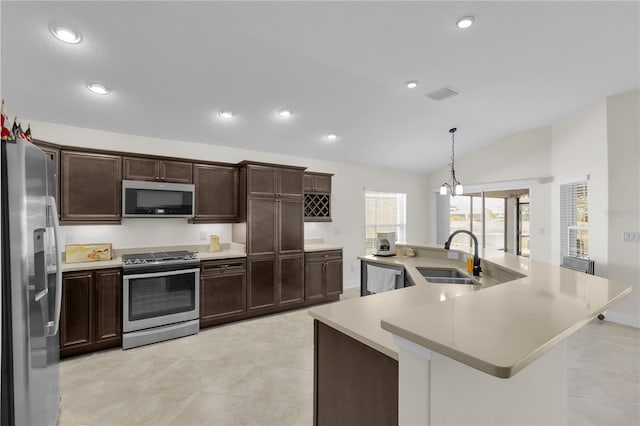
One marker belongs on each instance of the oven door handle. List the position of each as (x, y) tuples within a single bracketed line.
[(160, 274)]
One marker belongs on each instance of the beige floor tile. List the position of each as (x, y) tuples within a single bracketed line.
[(214, 409), (260, 372)]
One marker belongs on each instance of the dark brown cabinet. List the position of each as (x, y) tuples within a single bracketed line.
[(262, 282), (317, 182), (150, 169), (223, 290), (108, 307), (90, 188), (76, 313), (273, 227), (91, 313), (291, 270), (323, 275), (317, 197), (274, 181), (216, 193)]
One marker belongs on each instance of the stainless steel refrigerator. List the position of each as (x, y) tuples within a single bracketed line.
[(31, 288)]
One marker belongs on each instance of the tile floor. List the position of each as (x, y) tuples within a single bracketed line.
[(260, 372)]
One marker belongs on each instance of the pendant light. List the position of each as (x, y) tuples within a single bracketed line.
[(453, 185)]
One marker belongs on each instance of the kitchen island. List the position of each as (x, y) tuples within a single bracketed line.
[(519, 314)]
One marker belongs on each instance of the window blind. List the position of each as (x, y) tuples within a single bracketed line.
[(384, 212), (574, 220)]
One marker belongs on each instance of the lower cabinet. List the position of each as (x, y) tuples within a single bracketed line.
[(291, 270), (275, 281), (223, 290), (91, 313), (322, 275)]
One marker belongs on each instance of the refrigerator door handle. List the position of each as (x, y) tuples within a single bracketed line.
[(56, 233)]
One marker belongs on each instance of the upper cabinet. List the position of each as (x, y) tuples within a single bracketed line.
[(317, 197), (273, 181), (216, 193), (90, 187), (150, 169), (317, 182)]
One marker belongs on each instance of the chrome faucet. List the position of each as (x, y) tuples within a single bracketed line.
[(476, 259)]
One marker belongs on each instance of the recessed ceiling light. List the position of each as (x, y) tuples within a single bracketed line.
[(332, 137), (411, 84), (98, 88), (465, 21), (226, 114), (65, 33), (284, 113)]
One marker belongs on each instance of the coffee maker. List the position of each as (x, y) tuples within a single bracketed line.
[(385, 244)]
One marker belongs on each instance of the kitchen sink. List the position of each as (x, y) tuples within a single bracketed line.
[(437, 280), (445, 276)]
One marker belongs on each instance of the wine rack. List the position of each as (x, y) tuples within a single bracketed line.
[(317, 207)]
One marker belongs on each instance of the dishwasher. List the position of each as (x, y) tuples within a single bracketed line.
[(365, 279)]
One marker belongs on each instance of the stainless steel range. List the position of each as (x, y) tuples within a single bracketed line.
[(161, 294)]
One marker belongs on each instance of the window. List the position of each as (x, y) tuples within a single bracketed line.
[(574, 220), (385, 212)]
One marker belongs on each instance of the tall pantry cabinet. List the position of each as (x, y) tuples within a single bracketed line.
[(272, 225)]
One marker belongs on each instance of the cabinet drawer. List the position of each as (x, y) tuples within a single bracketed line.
[(320, 256), (211, 267)]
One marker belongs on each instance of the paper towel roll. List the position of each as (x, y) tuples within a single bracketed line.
[(214, 243)]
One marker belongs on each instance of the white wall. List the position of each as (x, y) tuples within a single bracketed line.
[(579, 148), (623, 136), (347, 210), (520, 156), (601, 140)]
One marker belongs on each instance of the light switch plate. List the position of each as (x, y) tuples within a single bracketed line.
[(631, 237), (454, 255)]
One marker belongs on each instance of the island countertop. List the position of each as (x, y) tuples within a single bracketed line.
[(496, 328)]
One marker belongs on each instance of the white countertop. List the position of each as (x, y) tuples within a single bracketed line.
[(495, 328), (311, 247), (229, 251)]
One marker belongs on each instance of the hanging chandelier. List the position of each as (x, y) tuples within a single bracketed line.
[(453, 185)]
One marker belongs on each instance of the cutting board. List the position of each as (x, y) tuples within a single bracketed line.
[(87, 252)]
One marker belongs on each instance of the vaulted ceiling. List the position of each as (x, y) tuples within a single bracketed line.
[(340, 67)]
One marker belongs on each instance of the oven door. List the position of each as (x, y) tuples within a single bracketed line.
[(154, 299)]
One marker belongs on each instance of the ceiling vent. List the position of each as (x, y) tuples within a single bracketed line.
[(444, 93)]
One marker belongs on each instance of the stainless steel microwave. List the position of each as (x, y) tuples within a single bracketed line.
[(157, 199)]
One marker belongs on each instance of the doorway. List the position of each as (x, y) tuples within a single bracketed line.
[(499, 219)]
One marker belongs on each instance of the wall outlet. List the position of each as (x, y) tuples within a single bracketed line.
[(70, 239), (454, 255), (631, 237), (203, 236)]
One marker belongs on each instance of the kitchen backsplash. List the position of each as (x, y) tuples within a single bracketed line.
[(145, 232), (164, 232)]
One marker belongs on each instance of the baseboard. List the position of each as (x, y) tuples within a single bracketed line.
[(620, 318), (351, 284)]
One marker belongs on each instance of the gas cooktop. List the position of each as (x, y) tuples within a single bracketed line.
[(159, 258)]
